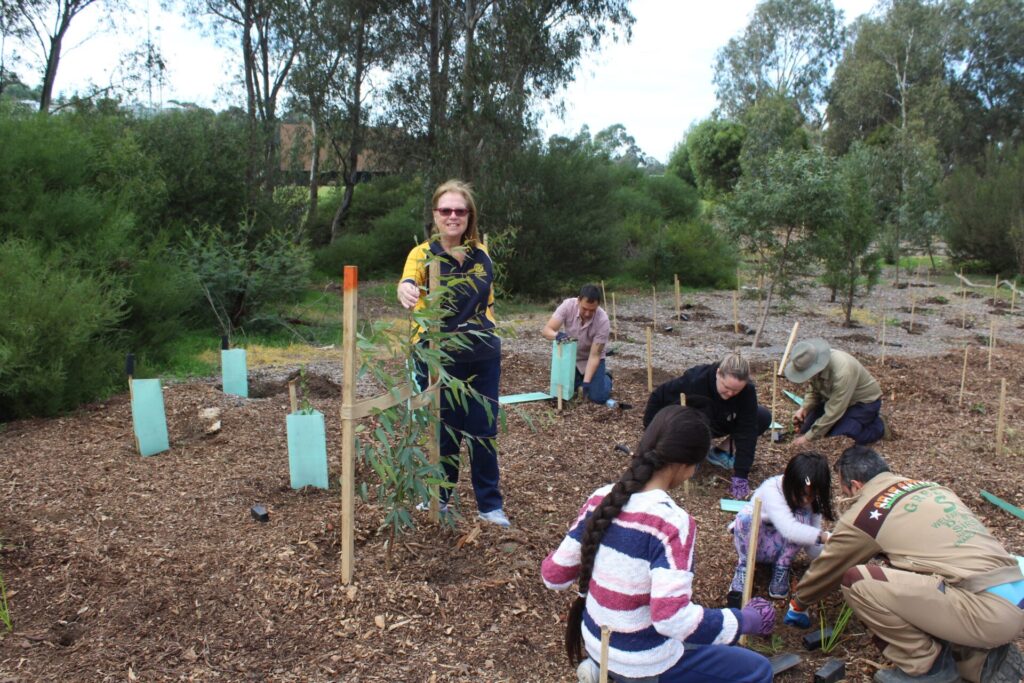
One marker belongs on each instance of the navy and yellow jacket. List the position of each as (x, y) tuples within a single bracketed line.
[(470, 308)]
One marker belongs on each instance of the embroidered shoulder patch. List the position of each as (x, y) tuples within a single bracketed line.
[(874, 513)]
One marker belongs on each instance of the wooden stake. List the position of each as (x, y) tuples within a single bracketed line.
[(963, 285), (991, 341), (1002, 412), (558, 387), (995, 290), (775, 398), (913, 303), (1013, 296), (650, 368), (748, 583), (615, 322), (963, 376), (882, 359), (293, 397), (789, 347), (654, 306), (736, 312), (678, 306), (606, 638), (603, 295), (350, 295), (434, 441), (686, 484)]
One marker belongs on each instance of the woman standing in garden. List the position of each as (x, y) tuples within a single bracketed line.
[(467, 273), (631, 550)]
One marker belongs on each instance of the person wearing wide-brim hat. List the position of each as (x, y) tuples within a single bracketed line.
[(843, 399)]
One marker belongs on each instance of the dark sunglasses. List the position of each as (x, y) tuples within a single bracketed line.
[(459, 213)]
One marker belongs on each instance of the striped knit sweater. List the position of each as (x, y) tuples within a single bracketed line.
[(641, 586)]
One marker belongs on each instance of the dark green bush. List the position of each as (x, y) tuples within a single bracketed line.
[(379, 252), (693, 249), (56, 332), (240, 280)]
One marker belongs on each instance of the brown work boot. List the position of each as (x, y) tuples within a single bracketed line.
[(943, 671), (1004, 664)]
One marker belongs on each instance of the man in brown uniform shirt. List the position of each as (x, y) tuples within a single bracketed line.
[(953, 597)]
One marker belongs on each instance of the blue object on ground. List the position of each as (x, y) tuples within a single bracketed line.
[(307, 450), (234, 375), (524, 398), (793, 397), (730, 505), (148, 418)]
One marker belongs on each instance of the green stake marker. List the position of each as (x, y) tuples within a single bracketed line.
[(524, 398), (148, 418), (234, 375), (563, 369), (793, 397), (1000, 503), (307, 450)]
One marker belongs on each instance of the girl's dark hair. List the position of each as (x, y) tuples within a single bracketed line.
[(676, 435), (809, 468)]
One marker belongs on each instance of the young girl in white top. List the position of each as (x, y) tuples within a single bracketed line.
[(792, 507)]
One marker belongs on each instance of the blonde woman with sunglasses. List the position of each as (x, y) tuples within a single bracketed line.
[(467, 269)]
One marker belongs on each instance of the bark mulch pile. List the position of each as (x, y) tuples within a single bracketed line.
[(126, 568)]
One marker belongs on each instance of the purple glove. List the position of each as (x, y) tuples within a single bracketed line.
[(740, 488), (757, 618)]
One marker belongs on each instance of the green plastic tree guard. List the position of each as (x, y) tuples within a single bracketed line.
[(234, 375), (307, 450), (563, 369), (148, 418)]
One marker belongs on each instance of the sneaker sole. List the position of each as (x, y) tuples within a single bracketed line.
[(1011, 669)]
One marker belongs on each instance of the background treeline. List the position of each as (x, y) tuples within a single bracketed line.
[(834, 145)]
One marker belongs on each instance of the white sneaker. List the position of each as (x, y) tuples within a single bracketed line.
[(495, 517), (588, 671)]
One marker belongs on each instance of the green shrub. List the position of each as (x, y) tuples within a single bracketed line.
[(694, 250), (56, 333), (240, 281), (380, 252)]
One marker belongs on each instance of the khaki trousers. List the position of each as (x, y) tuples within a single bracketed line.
[(911, 612)]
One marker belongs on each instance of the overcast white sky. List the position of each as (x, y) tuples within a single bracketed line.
[(656, 85)]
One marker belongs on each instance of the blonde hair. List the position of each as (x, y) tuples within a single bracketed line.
[(735, 366), (472, 234)]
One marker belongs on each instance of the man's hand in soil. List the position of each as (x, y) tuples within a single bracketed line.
[(800, 442)]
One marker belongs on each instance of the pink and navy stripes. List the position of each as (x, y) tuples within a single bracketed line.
[(641, 586)]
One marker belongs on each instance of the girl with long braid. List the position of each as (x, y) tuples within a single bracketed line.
[(631, 550)]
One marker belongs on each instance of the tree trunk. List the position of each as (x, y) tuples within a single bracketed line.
[(314, 175), (50, 76), (764, 314)]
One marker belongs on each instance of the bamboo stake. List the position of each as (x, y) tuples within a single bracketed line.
[(775, 399), (615, 322), (963, 286), (606, 638), (748, 583), (913, 303), (558, 387), (129, 369), (995, 290), (678, 306), (1002, 412), (963, 376), (789, 347), (434, 442), (293, 397), (882, 360), (654, 306), (991, 341), (1013, 297), (650, 368), (686, 484), (736, 312), (603, 295), (350, 295)]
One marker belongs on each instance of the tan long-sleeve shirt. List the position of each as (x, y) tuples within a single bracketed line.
[(843, 382)]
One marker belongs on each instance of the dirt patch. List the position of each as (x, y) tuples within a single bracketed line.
[(120, 566), (916, 328), (936, 301)]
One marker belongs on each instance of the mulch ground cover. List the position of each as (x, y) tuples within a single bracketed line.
[(126, 568)]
